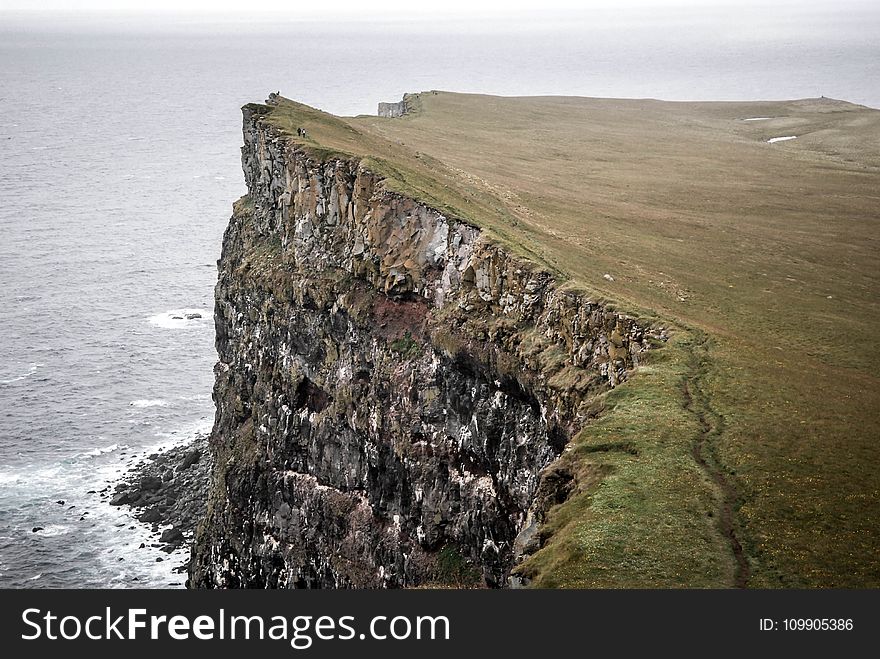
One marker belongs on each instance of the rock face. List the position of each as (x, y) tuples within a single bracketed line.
[(391, 384), (393, 110)]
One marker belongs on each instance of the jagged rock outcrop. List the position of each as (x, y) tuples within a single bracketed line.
[(394, 110), (391, 383)]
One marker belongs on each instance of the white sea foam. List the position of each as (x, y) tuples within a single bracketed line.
[(176, 318), (773, 140), (35, 577), (28, 478), (32, 368), (151, 402), (758, 119), (9, 479), (53, 530), (104, 450)]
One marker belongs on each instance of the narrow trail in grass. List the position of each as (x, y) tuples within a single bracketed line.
[(711, 426)]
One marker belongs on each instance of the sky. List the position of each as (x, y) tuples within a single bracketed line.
[(350, 8), (769, 19), (337, 6)]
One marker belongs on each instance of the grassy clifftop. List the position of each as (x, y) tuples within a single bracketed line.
[(407, 171), (764, 254)]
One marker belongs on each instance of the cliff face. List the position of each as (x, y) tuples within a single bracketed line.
[(391, 385), (392, 110)]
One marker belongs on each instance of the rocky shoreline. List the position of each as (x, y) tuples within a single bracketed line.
[(167, 492)]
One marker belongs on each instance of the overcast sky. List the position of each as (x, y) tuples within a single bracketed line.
[(343, 8), (340, 7)]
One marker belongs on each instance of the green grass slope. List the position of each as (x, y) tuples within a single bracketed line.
[(744, 453)]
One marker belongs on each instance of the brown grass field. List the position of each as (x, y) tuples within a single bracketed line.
[(761, 418)]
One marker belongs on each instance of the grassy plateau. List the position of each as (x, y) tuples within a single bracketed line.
[(745, 453)]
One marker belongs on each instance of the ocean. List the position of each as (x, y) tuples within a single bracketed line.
[(119, 162)]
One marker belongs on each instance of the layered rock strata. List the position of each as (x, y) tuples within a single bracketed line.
[(391, 383)]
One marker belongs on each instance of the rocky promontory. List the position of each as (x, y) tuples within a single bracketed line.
[(392, 382)]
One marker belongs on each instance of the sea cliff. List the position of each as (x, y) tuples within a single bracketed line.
[(394, 385)]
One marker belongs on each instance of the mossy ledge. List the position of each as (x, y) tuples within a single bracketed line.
[(401, 382)]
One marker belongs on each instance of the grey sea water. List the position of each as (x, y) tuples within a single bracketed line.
[(119, 145)]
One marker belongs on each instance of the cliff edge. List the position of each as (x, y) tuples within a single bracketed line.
[(393, 384), (549, 341)]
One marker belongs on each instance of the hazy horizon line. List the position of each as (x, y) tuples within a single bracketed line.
[(477, 19)]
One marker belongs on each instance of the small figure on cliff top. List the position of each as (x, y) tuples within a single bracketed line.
[(273, 97)]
